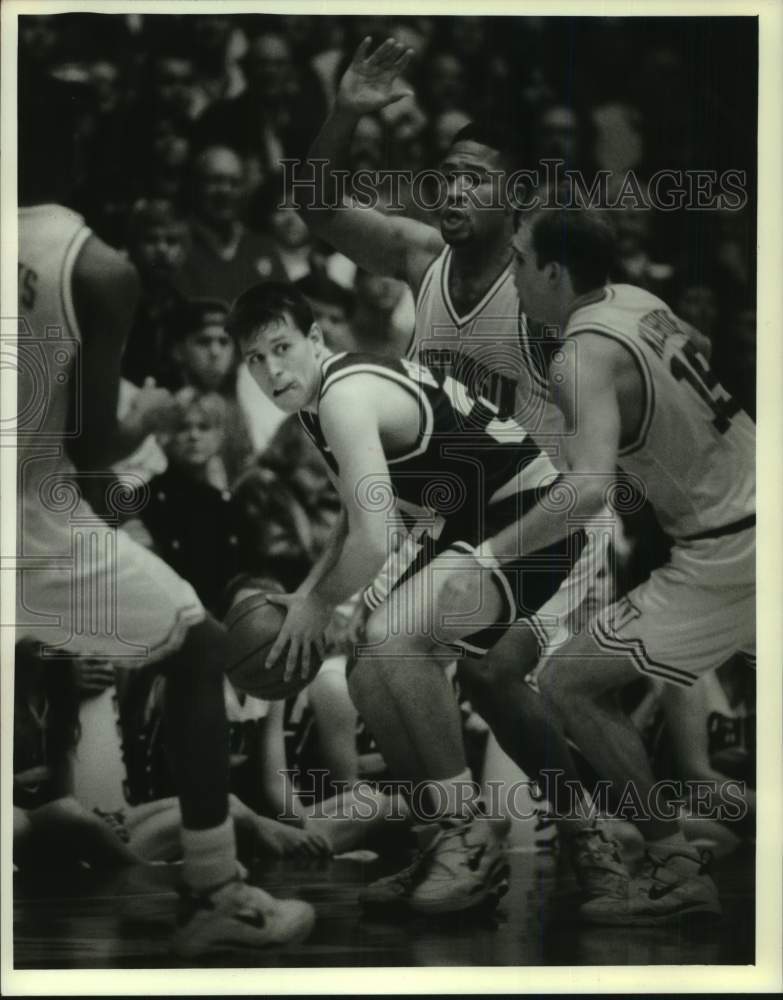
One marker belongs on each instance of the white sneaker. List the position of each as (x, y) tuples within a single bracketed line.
[(236, 917), (672, 885), (464, 867), (598, 864)]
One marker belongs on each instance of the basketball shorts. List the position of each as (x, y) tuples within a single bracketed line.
[(692, 614), (525, 585), (84, 587)]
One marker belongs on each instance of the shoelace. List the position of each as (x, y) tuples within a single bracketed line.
[(595, 844), (650, 864), (451, 833)]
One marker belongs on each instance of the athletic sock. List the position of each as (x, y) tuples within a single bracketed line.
[(209, 856), (454, 798)]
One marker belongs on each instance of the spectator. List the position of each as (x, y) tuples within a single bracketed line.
[(291, 239), (635, 262), (332, 308), (51, 828), (445, 87), (157, 245), (206, 359), (276, 115), (225, 257), (182, 501)]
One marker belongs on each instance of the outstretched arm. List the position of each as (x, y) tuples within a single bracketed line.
[(395, 246), (591, 445)]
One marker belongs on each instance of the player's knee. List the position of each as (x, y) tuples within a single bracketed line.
[(562, 683), (388, 641)]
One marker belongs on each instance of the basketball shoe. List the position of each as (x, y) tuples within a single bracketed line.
[(237, 916), (672, 884), (462, 867), (598, 864)]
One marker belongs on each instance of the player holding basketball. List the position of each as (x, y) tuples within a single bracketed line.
[(393, 431), (77, 298), (644, 399), (470, 326)]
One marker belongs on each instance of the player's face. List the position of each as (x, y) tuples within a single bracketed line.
[(195, 441), (532, 282), (286, 363), (473, 210), (208, 356)]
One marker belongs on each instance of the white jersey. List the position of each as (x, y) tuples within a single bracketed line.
[(488, 350), (82, 585), (694, 449), (50, 238)]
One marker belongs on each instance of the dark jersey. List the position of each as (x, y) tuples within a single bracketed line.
[(465, 459)]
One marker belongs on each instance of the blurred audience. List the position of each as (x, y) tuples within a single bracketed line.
[(224, 257)]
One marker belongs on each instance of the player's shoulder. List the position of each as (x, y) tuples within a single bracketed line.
[(350, 366), (99, 263)]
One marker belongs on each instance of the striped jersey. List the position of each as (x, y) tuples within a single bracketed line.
[(465, 456), (694, 449), (50, 238), (490, 350)]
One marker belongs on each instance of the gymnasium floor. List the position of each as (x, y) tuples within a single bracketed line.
[(86, 920)]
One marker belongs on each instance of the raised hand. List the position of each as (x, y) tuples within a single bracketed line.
[(373, 79)]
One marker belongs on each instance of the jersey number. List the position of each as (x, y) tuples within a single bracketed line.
[(688, 364)]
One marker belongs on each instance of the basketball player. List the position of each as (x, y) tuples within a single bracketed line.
[(470, 326), (392, 429), (644, 399), (76, 300)]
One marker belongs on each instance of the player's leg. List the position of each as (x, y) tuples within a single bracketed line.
[(401, 690), (156, 616), (398, 681), (525, 724), (686, 619)]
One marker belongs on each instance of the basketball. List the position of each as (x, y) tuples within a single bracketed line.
[(253, 625)]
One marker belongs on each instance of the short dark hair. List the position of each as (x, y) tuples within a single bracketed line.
[(580, 239), (323, 289), (502, 140), (263, 303), (193, 314)]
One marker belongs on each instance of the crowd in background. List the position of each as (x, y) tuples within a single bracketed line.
[(184, 125)]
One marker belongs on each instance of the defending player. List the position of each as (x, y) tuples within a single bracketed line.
[(110, 597), (644, 399), (399, 439), (469, 326)]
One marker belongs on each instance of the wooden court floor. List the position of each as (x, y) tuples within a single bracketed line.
[(85, 920)]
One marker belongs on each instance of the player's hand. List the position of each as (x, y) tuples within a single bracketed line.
[(373, 79), (307, 616), (93, 676)]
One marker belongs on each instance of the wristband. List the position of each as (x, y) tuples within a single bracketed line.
[(485, 557)]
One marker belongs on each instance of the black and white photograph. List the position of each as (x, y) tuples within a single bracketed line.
[(379, 592)]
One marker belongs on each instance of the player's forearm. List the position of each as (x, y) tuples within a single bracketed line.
[(570, 502), (360, 560), (330, 147), (328, 557)]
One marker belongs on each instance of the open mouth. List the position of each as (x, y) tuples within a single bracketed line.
[(280, 392), (452, 217)]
